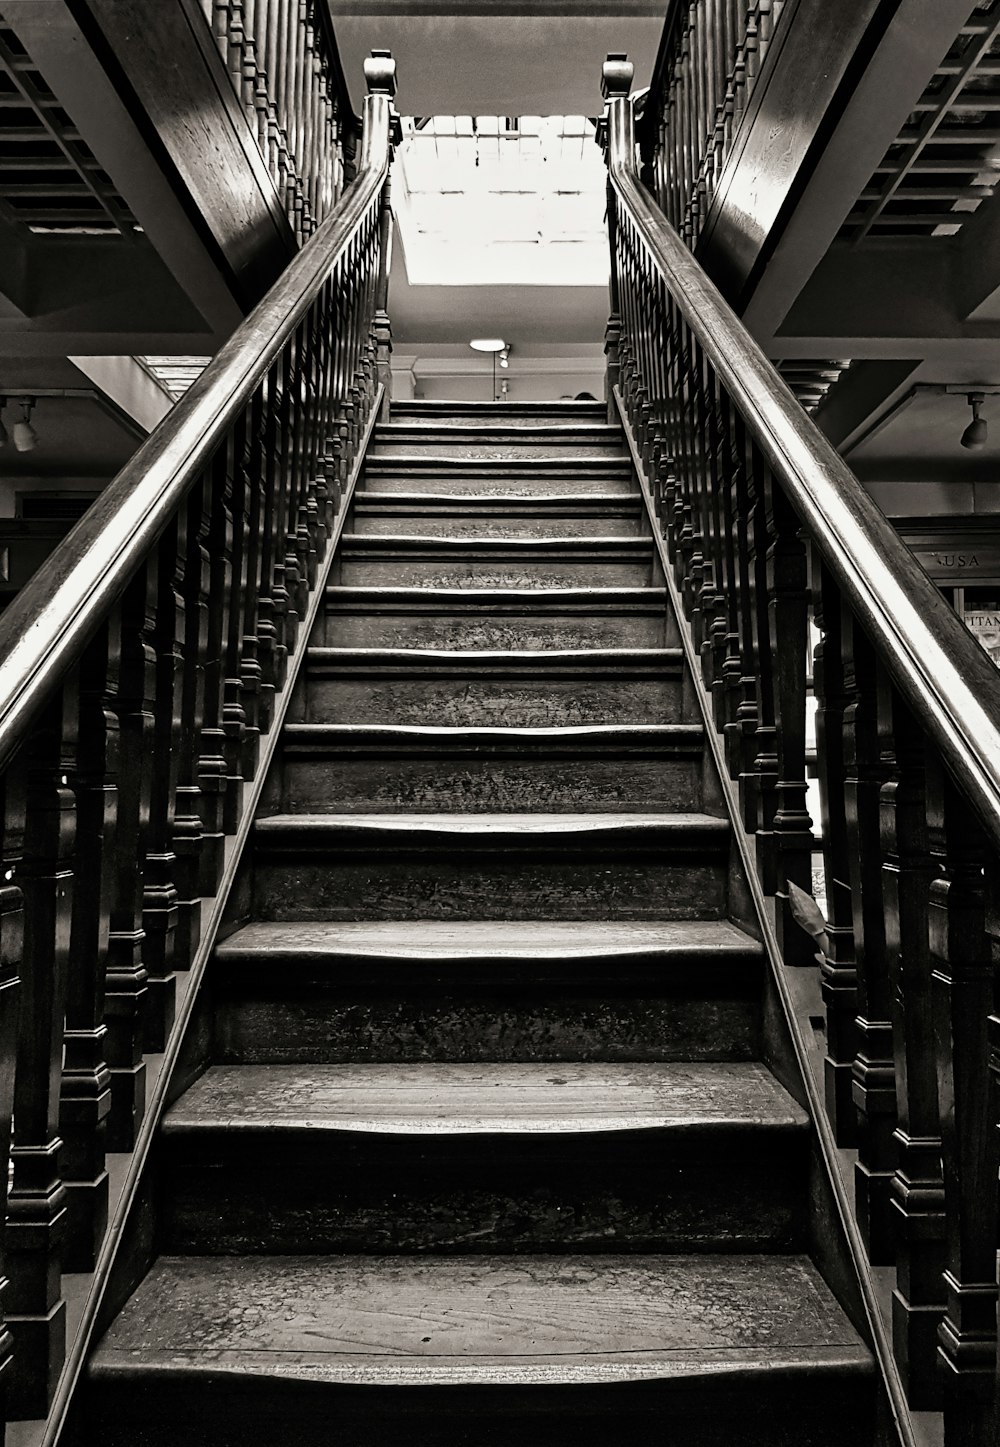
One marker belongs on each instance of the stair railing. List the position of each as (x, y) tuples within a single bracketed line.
[(285, 68), (710, 55), (139, 673), (759, 517)]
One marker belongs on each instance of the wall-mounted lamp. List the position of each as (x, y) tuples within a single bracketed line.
[(24, 435), (975, 435)]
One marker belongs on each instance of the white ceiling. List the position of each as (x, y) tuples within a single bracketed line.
[(539, 64)]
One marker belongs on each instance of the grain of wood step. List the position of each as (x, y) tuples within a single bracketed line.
[(560, 1350), (403, 560), (499, 1099), (495, 618), (494, 1157), (563, 944), (473, 990), (483, 517), (507, 413), (485, 687), (356, 766), (484, 865)]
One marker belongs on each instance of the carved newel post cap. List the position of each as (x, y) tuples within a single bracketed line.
[(616, 76), (380, 73)]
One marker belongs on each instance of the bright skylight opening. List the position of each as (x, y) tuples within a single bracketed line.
[(502, 200)]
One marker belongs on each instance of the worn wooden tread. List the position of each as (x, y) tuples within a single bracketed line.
[(488, 941), (572, 427), (428, 461), (518, 600), (464, 659), (626, 543), (505, 1099), (571, 739), (501, 411), (691, 830), (477, 502), (505, 1322)]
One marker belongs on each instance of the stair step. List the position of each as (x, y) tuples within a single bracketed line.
[(503, 413), (455, 562), (493, 485), (496, 618), (360, 766), (516, 688), (444, 515), (484, 866), (485, 1158), (498, 439), (535, 466), (565, 1350), (488, 991)]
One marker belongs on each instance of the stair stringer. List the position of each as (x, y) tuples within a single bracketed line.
[(792, 999), (128, 1246)]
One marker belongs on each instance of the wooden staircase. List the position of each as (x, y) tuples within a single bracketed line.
[(487, 1150)]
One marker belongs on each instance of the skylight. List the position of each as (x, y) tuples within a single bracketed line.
[(502, 200)]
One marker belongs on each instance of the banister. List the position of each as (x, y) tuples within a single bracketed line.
[(947, 679), (46, 628)]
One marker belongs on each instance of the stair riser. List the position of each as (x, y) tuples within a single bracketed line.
[(735, 1188), (509, 487), (404, 570), (451, 702), (481, 630), (461, 883), (810, 1409), (492, 784), (293, 1020), (472, 525)]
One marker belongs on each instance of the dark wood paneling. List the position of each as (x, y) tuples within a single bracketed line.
[(165, 55)]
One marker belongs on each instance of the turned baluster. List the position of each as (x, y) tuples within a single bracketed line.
[(788, 617), (190, 815), (36, 1198), (213, 763), (741, 729), (11, 955), (161, 908), (839, 970), (918, 1188), (964, 928), (240, 685), (874, 1080), (126, 989), (85, 1093), (759, 782)]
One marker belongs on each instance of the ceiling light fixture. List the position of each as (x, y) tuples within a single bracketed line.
[(975, 435), (494, 345)]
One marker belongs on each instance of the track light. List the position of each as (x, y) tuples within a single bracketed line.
[(24, 435), (975, 435)]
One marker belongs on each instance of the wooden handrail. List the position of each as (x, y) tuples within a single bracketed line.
[(770, 544), (947, 679), (46, 628)]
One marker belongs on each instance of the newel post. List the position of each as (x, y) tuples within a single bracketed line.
[(616, 82), (380, 73)]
